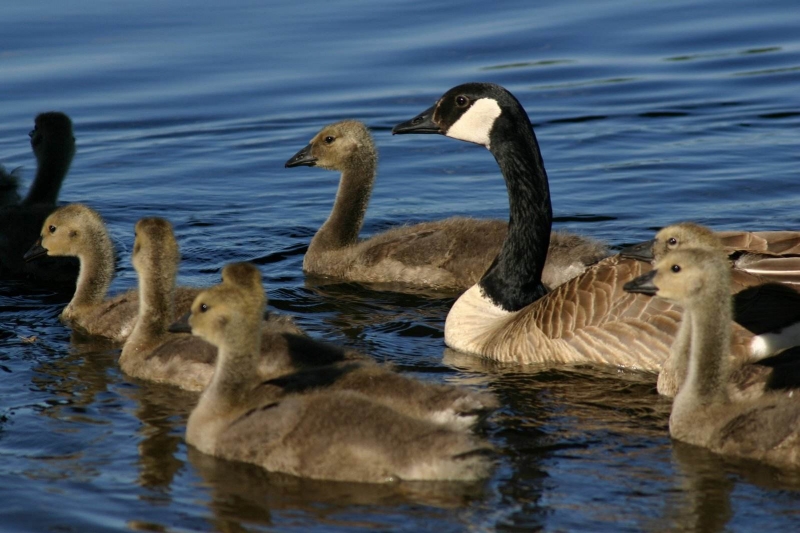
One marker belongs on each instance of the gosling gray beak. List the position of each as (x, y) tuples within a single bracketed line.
[(303, 158), (641, 252), (181, 325), (36, 251), (643, 284), (422, 123)]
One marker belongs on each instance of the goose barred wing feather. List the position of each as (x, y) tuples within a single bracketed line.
[(769, 242), (778, 268), (591, 319), (770, 255)]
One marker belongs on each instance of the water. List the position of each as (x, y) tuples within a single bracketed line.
[(646, 112)]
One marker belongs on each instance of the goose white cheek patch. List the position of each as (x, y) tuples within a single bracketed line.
[(476, 124)]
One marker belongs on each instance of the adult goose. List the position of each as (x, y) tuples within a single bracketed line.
[(766, 301), (450, 254), (704, 413), (508, 315), (53, 145), (319, 433)]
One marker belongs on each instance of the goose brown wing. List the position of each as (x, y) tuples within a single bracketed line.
[(592, 319), (778, 268), (771, 242)]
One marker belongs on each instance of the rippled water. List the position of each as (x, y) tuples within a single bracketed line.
[(646, 112)]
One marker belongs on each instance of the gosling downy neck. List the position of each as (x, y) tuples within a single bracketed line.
[(343, 225), (236, 372), (96, 270), (708, 366), (54, 147), (156, 302), (674, 370)]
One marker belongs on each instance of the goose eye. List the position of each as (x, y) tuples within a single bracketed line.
[(672, 241), (329, 139), (203, 308), (675, 268), (461, 100), (51, 228)]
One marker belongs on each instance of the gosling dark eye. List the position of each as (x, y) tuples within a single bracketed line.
[(203, 308), (329, 139), (461, 100), (672, 241), (675, 268), (51, 228)]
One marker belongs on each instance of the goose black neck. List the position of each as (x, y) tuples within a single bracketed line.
[(515, 278), (53, 166)]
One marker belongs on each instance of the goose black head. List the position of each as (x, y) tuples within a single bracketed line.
[(469, 112)]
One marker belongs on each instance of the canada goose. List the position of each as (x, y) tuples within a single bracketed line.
[(76, 230), (151, 352), (323, 434), (764, 267), (508, 315), (54, 146), (446, 254), (766, 428)]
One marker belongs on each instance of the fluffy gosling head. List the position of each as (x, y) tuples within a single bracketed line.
[(687, 277), (68, 231), (336, 147), (231, 310), (155, 249), (684, 235), (674, 237)]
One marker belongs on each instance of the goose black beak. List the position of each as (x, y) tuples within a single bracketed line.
[(181, 325), (36, 251), (641, 252), (643, 284), (422, 123), (303, 158)]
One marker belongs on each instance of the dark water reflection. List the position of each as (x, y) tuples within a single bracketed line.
[(646, 113)]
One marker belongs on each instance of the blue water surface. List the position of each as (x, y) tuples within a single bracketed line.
[(646, 113)]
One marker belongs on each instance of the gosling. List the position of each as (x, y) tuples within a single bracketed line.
[(322, 434), (766, 428)]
